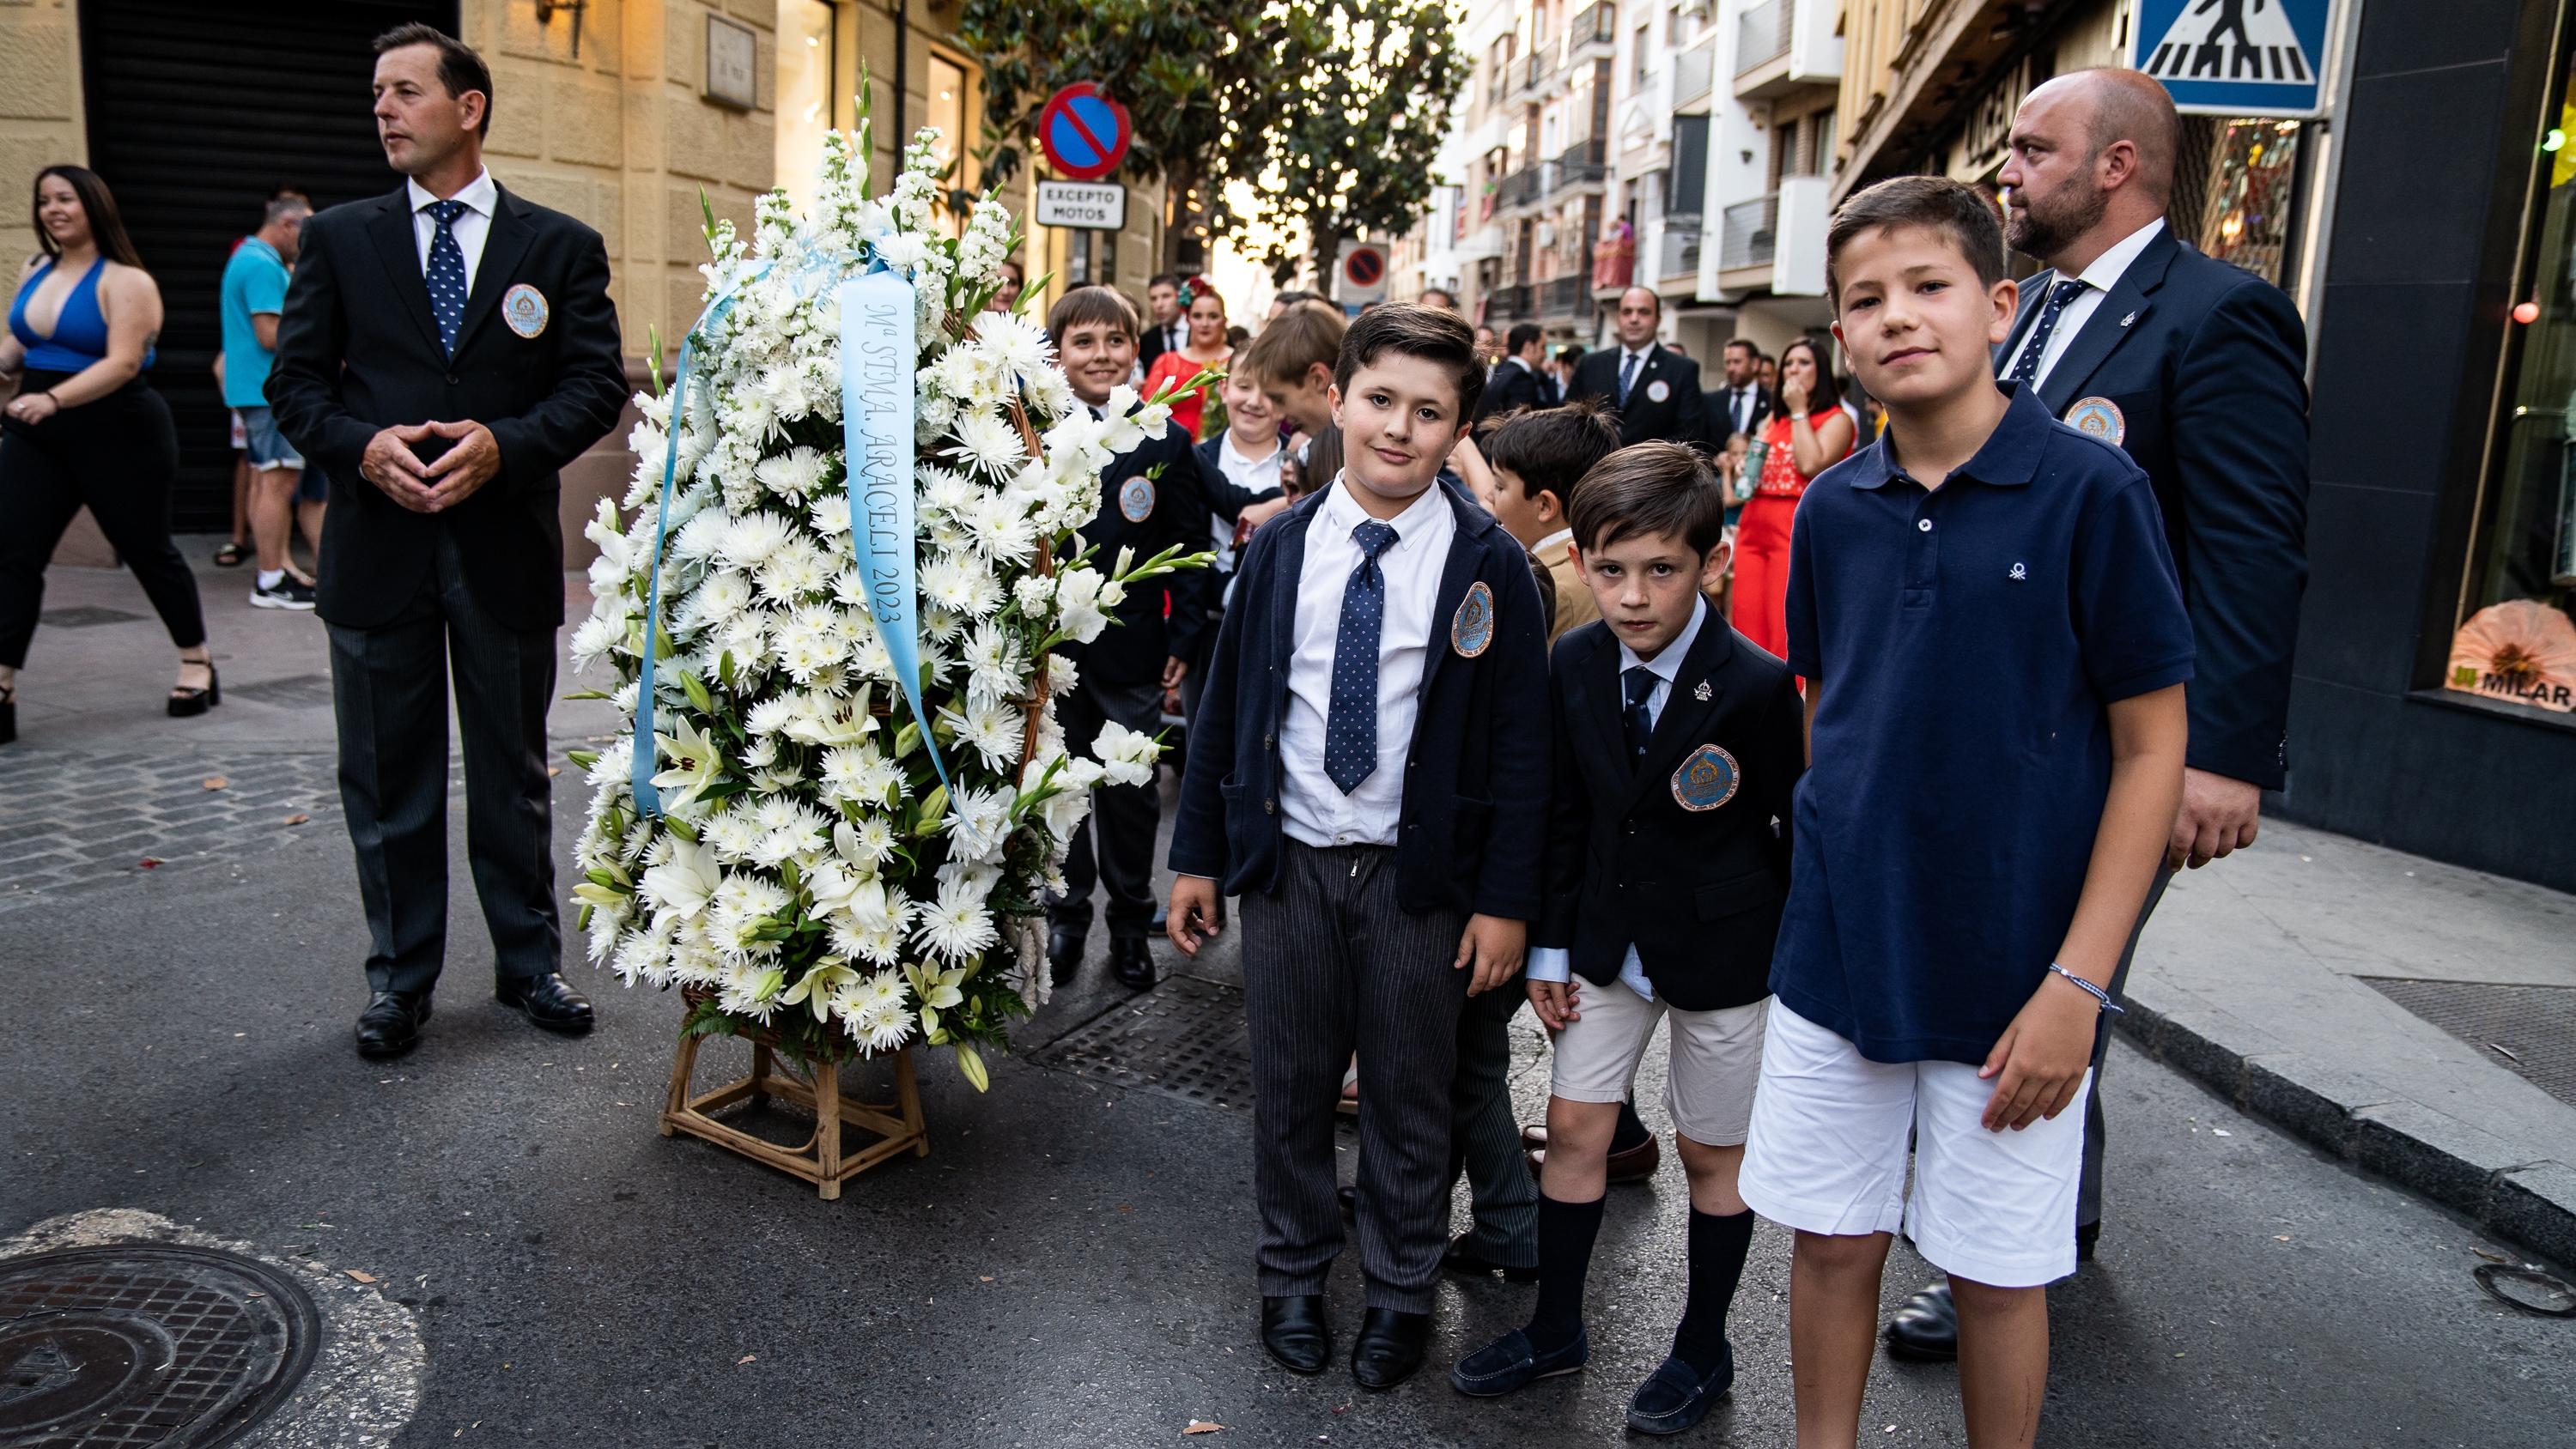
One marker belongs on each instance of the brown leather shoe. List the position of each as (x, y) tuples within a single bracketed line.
[(1634, 1165)]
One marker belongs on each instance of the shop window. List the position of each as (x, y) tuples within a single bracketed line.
[(805, 94), (2253, 191), (2516, 641)]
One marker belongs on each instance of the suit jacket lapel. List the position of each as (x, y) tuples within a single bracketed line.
[(1456, 575), (1679, 728), (503, 245), (1290, 566), (1594, 710), (2112, 323), (399, 249)]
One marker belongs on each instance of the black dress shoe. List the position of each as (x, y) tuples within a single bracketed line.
[(2086, 1235), (1462, 1259), (1064, 955), (1389, 1347), (1636, 1165), (391, 1023), (1294, 1331), (1927, 1327), (1349, 1198), (1131, 960), (548, 1001)]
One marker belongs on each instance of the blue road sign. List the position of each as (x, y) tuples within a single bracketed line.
[(2236, 57), (1083, 132)]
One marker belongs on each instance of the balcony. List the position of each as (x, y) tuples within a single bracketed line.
[(1506, 305), (1785, 47), (1519, 189), (1678, 254), (1595, 25), (1561, 298), (1585, 163), (1533, 69), (1748, 236), (1692, 72), (1762, 34)]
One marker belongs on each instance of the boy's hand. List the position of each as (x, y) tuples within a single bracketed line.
[(2042, 1057), (1555, 1003), (1193, 914), (1493, 945)]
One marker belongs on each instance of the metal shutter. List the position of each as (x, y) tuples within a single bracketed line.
[(195, 112)]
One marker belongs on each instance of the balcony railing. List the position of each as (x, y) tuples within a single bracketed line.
[(1518, 189), (1508, 304), (1533, 69), (1691, 71), (1762, 34), (1598, 22), (1749, 233), (1584, 161), (1680, 256), (1566, 296)]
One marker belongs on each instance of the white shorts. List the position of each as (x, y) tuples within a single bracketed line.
[(1827, 1155), (1717, 1057)]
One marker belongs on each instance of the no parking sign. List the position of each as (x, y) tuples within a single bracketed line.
[(1363, 273), (1083, 133)]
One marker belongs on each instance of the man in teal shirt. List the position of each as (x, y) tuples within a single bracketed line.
[(254, 294)]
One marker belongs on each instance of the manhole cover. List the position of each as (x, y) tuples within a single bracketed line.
[(1185, 1037), (140, 1344), (84, 616), (2528, 1030)]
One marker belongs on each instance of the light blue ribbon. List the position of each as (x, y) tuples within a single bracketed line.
[(878, 357)]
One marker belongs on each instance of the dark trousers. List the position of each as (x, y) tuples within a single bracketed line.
[(117, 455), (2088, 1192), (1114, 845), (1332, 964), (1484, 1139), (389, 692)]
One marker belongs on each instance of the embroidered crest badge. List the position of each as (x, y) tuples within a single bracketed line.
[(1658, 390), (2098, 417), (1471, 630), (524, 308), (1706, 780), (1702, 692), (1136, 498)]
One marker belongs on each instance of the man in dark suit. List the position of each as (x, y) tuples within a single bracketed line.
[(1743, 405), (1518, 381), (1169, 329), (2197, 369), (1151, 498), (1655, 389), (444, 351)]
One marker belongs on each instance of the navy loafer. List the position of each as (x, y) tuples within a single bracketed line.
[(1510, 1363), (1676, 1398)]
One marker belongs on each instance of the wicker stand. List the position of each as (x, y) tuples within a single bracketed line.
[(819, 1161)]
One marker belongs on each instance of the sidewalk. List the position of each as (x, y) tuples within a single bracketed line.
[(2276, 975)]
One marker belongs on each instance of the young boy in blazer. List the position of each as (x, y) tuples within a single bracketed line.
[(1677, 749), (1367, 778)]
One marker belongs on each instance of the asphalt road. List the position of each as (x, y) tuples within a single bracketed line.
[(1071, 1264)]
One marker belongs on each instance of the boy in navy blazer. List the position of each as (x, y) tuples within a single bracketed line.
[(1677, 751), (1368, 778)]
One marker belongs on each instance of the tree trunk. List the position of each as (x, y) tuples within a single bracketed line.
[(1178, 181)]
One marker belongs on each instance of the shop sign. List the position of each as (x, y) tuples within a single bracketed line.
[(2236, 57), (733, 54), (1098, 206)]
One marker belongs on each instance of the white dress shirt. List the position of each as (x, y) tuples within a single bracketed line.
[(1251, 474), (1314, 809), (2098, 280), (1740, 402), (470, 229), (1639, 380), (1556, 963)]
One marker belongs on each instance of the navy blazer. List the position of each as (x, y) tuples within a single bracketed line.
[(2207, 363), (1132, 650), (1476, 778), (1698, 893), (1682, 415), (1226, 498), (1515, 385)]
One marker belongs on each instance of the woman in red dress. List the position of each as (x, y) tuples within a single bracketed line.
[(1206, 347), (1812, 434)]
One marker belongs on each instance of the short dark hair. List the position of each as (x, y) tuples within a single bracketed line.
[(1089, 307), (1827, 393), (1958, 211), (1411, 330), (1570, 354), (1550, 449), (1162, 279), (1447, 298), (1293, 298), (460, 69), (1522, 336), (1649, 488), (1746, 343)]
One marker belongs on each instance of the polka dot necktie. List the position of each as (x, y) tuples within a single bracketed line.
[(2027, 370), (446, 272), (1350, 720), (1637, 686)]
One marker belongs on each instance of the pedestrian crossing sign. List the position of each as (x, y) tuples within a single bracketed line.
[(2235, 57)]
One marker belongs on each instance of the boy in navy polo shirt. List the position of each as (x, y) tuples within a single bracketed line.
[(1367, 777), (1996, 646)]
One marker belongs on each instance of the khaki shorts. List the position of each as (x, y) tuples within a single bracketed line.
[(1717, 1059)]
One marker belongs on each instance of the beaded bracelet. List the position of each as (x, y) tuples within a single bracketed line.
[(2097, 993)]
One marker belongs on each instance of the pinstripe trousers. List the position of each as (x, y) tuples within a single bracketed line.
[(1331, 965), (389, 693)]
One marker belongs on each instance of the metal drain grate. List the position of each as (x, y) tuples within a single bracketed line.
[(2528, 1030), (140, 1344), (1185, 1037)]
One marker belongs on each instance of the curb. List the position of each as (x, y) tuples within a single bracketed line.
[(2427, 1152)]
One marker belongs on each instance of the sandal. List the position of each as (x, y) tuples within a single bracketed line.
[(231, 555), (186, 703), (8, 712)]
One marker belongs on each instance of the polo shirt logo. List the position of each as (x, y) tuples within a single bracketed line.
[(2020, 572)]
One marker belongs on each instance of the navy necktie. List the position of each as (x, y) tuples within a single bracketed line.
[(1627, 376), (1638, 686), (1350, 719), (2067, 290), (446, 275)]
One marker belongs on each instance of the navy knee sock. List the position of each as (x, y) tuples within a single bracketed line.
[(1717, 1249), (1565, 1234)]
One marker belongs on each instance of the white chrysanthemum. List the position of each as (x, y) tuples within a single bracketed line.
[(1013, 342), (794, 474), (955, 926), (989, 441), (753, 537), (961, 587), (794, 570)]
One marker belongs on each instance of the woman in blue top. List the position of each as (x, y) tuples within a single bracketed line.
[(85, 428)]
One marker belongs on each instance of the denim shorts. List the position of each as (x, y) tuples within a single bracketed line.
[(268, 447)]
